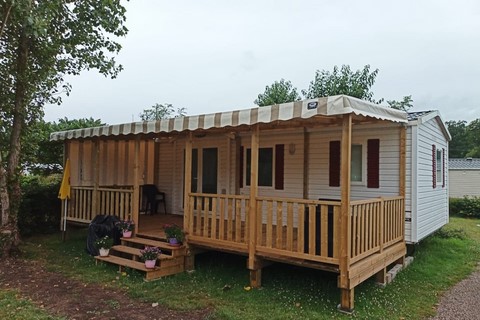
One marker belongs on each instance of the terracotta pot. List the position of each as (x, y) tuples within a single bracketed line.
[(150, 264), (127, 234)]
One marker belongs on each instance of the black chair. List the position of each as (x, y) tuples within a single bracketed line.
[(151, 197)]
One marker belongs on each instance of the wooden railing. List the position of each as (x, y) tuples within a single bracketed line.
[(85, 203), (297, 228), (219, 217), (375, 224), (303, 229)]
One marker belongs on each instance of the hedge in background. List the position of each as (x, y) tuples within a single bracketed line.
[(40, 207), (465, 207)]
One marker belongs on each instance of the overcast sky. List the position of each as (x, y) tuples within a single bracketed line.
[(217, 55)]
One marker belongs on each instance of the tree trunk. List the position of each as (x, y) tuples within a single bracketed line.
[(10, 181)]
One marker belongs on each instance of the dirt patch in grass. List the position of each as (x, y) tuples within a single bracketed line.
[(64, 297)]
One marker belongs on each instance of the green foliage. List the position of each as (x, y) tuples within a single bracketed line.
[(40, 207), (46, 157), (105, 242), (465, 207), (404, 105), (162, 111), (279, 92), (343, 81), (465, 139), (449, 233)]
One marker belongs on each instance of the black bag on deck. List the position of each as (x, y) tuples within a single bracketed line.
[(102, 225)]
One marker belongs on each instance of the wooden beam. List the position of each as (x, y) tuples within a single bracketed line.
[(306, 151), (187, 211), (252, 234), (136, 186), (345, 225)]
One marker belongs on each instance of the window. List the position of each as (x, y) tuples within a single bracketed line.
[(265, 167), (356, 166), (439, 169)]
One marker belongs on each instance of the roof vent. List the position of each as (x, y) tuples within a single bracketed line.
[(469, 159)]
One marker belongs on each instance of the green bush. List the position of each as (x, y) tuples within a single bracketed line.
[(466, 206), (40, 206)]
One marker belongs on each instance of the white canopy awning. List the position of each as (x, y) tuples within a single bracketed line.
[(327, 106)]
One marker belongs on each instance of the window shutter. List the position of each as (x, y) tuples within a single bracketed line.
[(279, 165), (373, 163), (434, 166), (443, 168), (334, 172), (240, 167)]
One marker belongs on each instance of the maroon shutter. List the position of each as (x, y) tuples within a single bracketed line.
[(443, 167), (373, 163), (434, 166), (240, 167), (334, 172), (279, 165)]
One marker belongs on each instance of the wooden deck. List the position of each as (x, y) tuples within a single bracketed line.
[(151, 226), (357, 240)]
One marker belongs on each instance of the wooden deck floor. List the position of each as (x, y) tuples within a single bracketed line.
[(152, 225)]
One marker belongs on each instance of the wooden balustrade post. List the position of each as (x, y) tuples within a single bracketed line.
[(382, 224), (347, 293), (255, 268)]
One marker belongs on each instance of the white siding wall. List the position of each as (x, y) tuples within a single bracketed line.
[(411, 147), (171, 163), (464, 183), (431, 203), (389, 136), (293, 165)]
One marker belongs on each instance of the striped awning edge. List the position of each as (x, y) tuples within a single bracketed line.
[(327, 106)]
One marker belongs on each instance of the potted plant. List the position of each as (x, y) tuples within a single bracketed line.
[(174, 234), (126, 227), (149, 255), (103, 245)]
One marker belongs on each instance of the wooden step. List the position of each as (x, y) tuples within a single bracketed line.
[(176, 251), (167, 267), (136, 252)]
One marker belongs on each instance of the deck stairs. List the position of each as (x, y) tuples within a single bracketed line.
[(127, 255)]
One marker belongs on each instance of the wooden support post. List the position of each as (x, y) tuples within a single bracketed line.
[(136, 186), (347, 304), (188, 185), (255, 270), (345, 223), (381, 277)]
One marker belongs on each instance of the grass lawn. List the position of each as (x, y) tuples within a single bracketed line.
[(288, 292)]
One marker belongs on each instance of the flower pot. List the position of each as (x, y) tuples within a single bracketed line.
[(150, 264), (173, 242), (104, 252), (127, 234)]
